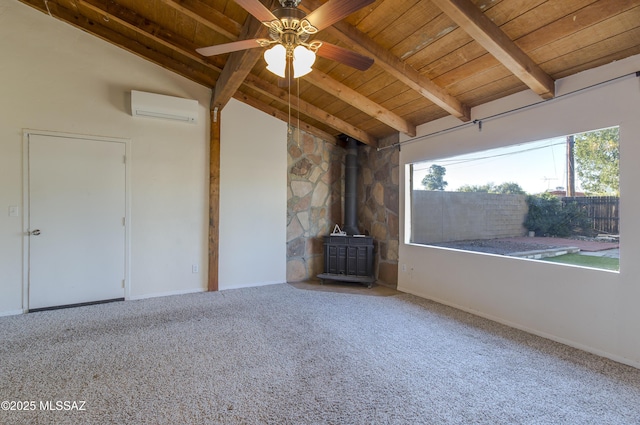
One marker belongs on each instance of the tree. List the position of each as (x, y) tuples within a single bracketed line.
[(503, 189), (597, 158), (485, 188), (509, 188), (435, 179)]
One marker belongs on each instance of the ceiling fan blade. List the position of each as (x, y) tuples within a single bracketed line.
[(257, 9), (334, 11), (344, 56), (219, 49)]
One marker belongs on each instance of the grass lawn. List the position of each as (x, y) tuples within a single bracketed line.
[(587, 261)]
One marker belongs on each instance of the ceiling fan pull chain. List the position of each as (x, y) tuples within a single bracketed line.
[(298, 111), (289, 129)]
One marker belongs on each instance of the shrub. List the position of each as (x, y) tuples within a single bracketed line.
[(548, 216)]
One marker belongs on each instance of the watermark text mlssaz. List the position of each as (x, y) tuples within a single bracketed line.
[(48, 405)]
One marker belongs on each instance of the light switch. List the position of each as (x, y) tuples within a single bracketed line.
[(13, 211)]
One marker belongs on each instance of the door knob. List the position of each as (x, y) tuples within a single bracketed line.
[(35, 232)]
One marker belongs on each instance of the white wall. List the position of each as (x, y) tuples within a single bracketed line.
[(55, 77), (591, 309), (253, 198), (58, 78)]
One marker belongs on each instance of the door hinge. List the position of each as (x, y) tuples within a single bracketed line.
[(124, 159), (123, 283), (124, 221)]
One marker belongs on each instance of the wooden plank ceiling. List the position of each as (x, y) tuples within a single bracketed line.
[(433, 58)]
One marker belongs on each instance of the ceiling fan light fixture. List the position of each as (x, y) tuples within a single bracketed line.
[(303, 59), (276, 58)]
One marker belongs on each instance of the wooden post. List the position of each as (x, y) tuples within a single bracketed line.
[(214, 198), (571, 173)]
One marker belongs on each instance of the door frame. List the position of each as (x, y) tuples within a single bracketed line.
[(25, 205)]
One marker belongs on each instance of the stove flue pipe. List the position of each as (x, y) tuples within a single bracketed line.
[(350, 184)]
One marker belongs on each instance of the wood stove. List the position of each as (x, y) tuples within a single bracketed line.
[(348, 257)]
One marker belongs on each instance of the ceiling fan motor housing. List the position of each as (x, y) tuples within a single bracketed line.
[(291, 29), (290, 3)]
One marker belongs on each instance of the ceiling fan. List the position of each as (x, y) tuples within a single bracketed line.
[(290, 34)]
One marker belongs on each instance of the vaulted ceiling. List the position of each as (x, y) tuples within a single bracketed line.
[(432, 58)]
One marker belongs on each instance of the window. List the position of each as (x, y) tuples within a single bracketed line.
[(551, 200)]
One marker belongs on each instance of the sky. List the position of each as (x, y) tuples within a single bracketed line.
[(535, 166)]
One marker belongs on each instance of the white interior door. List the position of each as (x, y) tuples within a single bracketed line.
[(77, 206)]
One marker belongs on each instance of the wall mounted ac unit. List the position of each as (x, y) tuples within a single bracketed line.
[(153, 105)]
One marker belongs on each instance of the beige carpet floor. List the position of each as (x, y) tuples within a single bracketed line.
[(298, 354)]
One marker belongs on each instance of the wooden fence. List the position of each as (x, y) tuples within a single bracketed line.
[(603, 211)]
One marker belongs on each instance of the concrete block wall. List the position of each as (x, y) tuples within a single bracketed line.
[(456, 216)]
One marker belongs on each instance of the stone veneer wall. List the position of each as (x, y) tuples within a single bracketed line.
[(378, 206), (315, 202)]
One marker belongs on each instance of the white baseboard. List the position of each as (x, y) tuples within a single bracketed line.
[(165, 294), (570, 343), (11, 312), (249, 285)]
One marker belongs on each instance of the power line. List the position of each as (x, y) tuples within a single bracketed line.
[(463, 161)]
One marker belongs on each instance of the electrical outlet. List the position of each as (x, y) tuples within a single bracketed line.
[(404, 268), (13, 211), (195, 268)]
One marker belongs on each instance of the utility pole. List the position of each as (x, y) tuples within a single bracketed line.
[(571, 173)]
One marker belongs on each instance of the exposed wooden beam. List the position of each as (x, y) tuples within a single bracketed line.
[(160, 35), (363, 103), (360, 42), (155, 32), (151, 30), (203, 14), (99, 30), (239, 64), (310, 110), (403, 72), (212, 18), (207, 16), (495, 41), (214, 200), (281, 115)]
